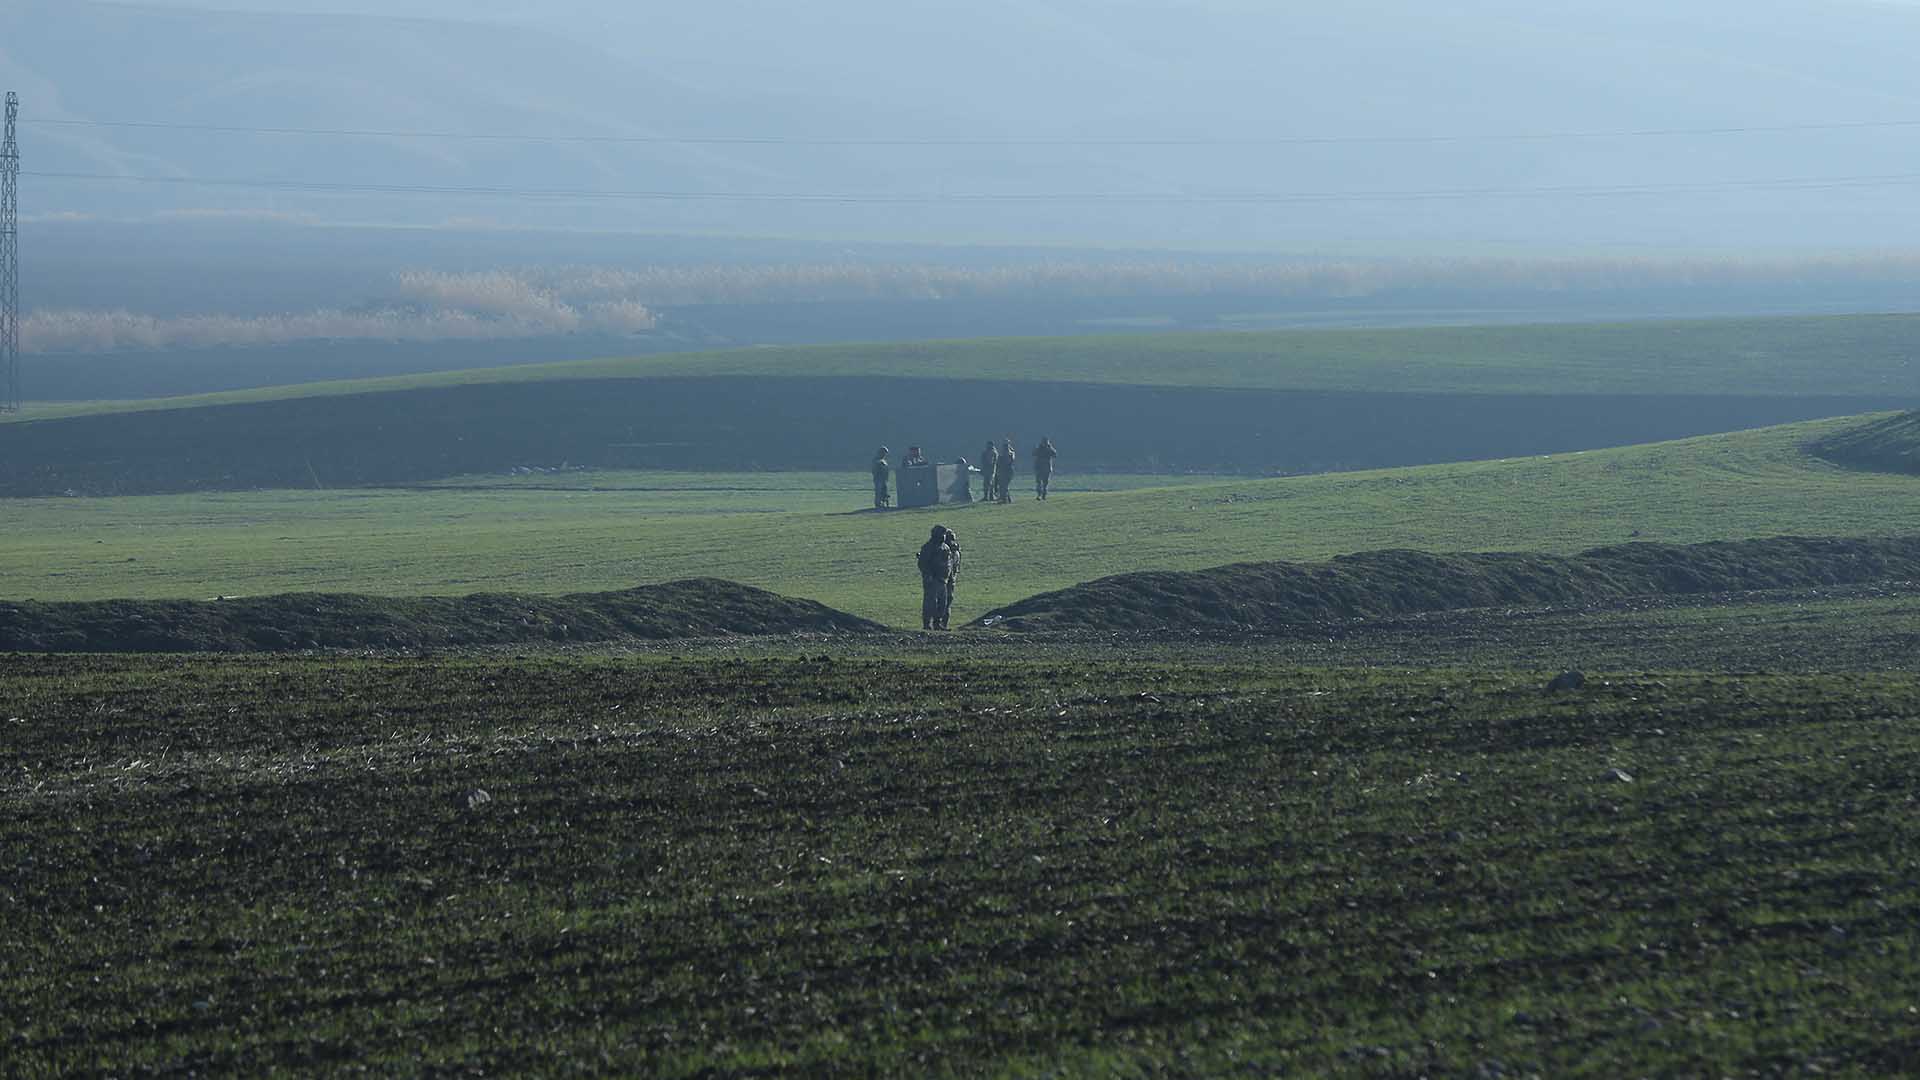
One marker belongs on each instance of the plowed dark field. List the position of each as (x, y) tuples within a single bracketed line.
[(951, 866)]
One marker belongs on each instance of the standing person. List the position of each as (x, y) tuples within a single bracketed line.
[(939, 561), (989, 473), (880, 471), (1003, 475), (1043, 456), (961, 490), (914, 458), (953, 579)]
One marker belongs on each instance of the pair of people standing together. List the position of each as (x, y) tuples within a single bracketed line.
[(996, 470), (996, 466), (939, 571)]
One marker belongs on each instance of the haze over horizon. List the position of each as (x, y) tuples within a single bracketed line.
[(1413, 513), (1385, 127)]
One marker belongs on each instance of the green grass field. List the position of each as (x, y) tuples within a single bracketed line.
[(1859, 355), (1372, 850), (1061, 866), (801, 534), (1243, 404)]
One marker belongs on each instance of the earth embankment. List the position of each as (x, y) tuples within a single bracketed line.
[(1281, 596), (699, 608)]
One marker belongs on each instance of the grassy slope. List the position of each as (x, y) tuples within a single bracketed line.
[(1783, 356), (794, 536), (1061, 866), (1890, 444)]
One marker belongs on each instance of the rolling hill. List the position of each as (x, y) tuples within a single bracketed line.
[(804, 535), (1261, 403), (1891, 444)]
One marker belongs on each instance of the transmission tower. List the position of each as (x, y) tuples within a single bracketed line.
[(10, 260)]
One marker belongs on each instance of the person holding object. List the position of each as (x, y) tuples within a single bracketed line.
[(1043, 456)]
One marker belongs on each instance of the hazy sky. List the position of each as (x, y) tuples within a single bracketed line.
[(1370, 125)]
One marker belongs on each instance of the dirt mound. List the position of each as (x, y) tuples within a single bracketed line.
[(1891, 444), (1279, 595), (682, 609)]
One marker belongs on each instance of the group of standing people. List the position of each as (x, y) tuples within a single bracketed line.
[(995, 468), (939, 557)]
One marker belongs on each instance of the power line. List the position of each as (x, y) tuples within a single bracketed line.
[(1804, 183), (1004, 141)]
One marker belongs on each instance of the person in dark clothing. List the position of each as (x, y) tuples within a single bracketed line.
[(1003, 475), (914, 458), (1043, 456), (939, 561), (989, 473), (880, 471), (953, 579)]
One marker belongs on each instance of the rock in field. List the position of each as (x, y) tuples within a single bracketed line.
[(1565, 681)]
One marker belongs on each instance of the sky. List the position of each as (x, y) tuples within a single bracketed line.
[(1374, 126)]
